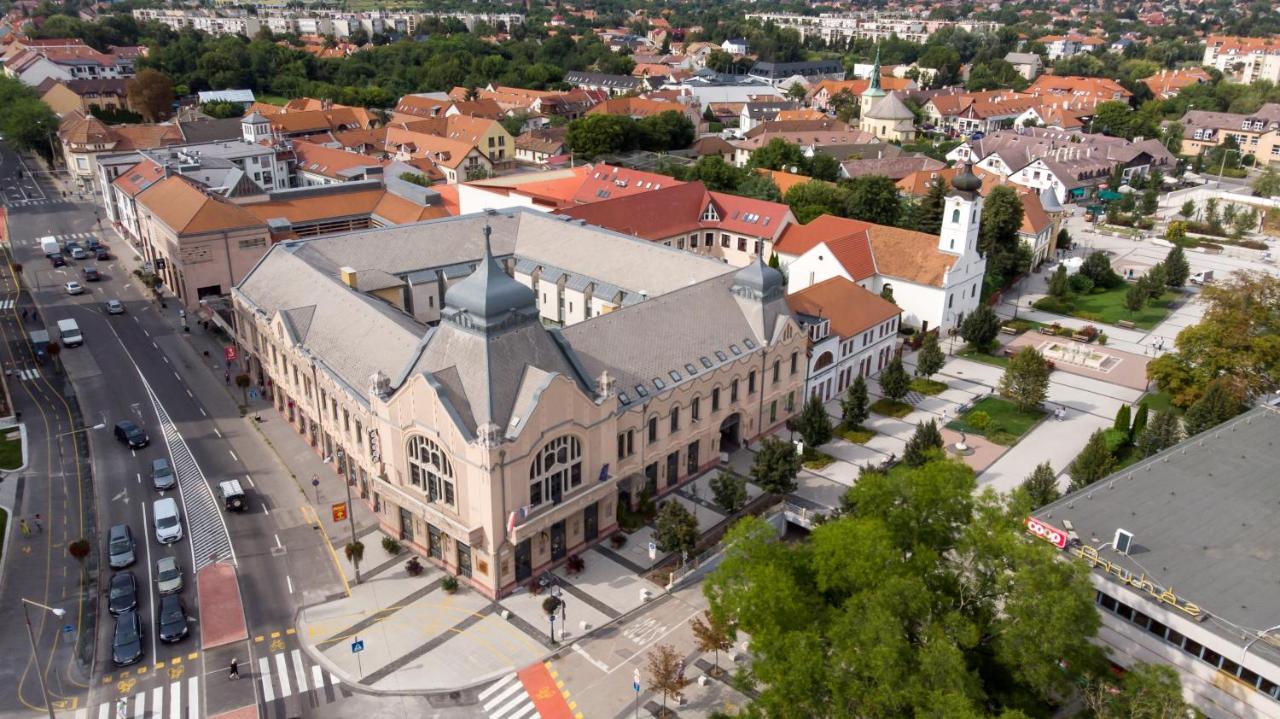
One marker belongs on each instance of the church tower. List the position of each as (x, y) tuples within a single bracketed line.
[(873, 93), (962, 214)]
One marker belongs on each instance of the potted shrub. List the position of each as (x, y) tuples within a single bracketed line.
[(413, 567), (391, 546), (449, 583), (575, 563), (617, 540)]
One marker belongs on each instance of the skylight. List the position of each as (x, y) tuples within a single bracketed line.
[(640, 390), (720, 355), (691, 369)]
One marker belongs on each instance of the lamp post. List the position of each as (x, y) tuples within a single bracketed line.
[(346, 481), (100, 425), (35, 655), (1261, 635)]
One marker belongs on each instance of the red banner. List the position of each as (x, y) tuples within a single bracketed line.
[(1047, 532), (340, 512)]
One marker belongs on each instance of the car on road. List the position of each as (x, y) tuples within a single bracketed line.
[(74, 288), (92, 244), (162, 475), (91, 273), (168, 522), (57, 260), (168, 575), (78, 253), (122, 596), (173, 619), (101, 254), (131, 434), (115, 307), (120, 546), (126, 641), (233, 496)]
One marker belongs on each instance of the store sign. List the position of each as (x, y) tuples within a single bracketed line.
[(1164, 595), (375, 447), (339, 512), (1047, 532)]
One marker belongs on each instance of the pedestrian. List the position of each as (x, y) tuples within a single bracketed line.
[(235, 669), (39, 524), (26, 529)]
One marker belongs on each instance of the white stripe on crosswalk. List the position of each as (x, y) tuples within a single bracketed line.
[(268, 693), (139, 705), (103, 711), (284, 676), (524, 711), (82, 713), (193, 698), (175, 701), (157, 701), (504, 695), (334, 680), (496, 686), (510, 706), (317, 677), (298, 672)]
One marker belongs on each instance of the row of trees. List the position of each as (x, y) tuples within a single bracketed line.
[(596, 135), (25, 121)]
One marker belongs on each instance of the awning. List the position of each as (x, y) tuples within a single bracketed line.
[(1108, 195)]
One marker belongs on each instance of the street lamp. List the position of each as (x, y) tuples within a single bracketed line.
[(35, 655), (1261, 635), (341, 457), (100, 425)]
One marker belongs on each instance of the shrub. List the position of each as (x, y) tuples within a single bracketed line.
[(1080, 284), (449, 583), (391, 546)]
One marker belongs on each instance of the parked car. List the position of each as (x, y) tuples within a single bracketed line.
[(123, 593), (115, 307), (162, 475), (92, 244), (172, 619), (74, 288), (126, 641), (78, 253), (57, 260), (102, 254), (168, 575), (131, 435), (91, 273), (120, 546)]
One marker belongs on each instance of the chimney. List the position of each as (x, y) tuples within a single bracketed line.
[(348, 275)]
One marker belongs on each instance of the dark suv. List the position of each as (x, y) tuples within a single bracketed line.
[(126, 642), (131, 435)]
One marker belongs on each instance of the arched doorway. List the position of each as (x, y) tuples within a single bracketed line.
[(730, 433)]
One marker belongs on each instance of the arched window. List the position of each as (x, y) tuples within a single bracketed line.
[(824, 360), (955, 215), (556, 468), (430, 470)]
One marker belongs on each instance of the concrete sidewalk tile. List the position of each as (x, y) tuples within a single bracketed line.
[(608, 582), (528, 607)]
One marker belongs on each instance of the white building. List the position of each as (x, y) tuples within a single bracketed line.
[(852, 332), (1244, 59), (868, 25)]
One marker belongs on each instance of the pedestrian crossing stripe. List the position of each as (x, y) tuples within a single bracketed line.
[(182, 704), (507, 698), (6, 304), (29, 374), (283, 674)]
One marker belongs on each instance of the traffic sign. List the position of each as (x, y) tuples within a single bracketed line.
[(67, 629), (315, 480), (229, 352), (357, 646), (339, 511), (635, 681), (653, 551)]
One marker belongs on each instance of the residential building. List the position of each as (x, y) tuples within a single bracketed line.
[(875, 25), (1153, 537), (1062, 46), (1027, 64), (1168, 83), (966, 113), (1244, 59), (488, 136), (457, 160), (67, 96), (783, 74), (1078, 90), (69, 59), (320, 165), (611, 84), (894, 168), (811, 135), (538, 147), (84, 137), (271, 123), (851, 332), (552, 190), (754, 113), (735, 46), (1256, 133), (820, 94), (642, 107), (485, 441), (936, 280)]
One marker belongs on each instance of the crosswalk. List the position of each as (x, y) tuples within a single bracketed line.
[(33, 202), (28, 374), (170, 701), (507, 699), (7, 304), (64, 237), (285, 674)]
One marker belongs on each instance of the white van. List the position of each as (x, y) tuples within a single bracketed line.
[(50, 246), (167, 522), (69, 333)]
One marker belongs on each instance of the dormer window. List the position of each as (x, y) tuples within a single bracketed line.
[(819, 330), (710, 214)]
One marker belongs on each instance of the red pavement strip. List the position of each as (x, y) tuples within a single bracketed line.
[(221, 612), (249, 712), (542, 689)]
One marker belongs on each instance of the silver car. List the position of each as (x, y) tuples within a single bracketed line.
[(74, 288), (162, 475), (115, 307), (168, 575)]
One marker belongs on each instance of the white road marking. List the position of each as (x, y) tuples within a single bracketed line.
[(193, 698), (190, 395), (278, 544), (157, 701), (139, 475), (317, 677), (233, 455), (249, 479), (175, 701), (264, 677), (266, 511), (285, 689), (509, 686), (215, 430), (139, 705), (204, 413), (298, 673), (289, 581)]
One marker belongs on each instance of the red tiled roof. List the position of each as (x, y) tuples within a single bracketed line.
[(849, 307), (669, 211), (139, 177)]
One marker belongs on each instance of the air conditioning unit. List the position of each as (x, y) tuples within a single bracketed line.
[(1123, 541)]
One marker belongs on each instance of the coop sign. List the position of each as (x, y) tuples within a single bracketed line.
[(1047, 532), (1164, 595)]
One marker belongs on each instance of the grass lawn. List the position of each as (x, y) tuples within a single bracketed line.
[(272, 99), (1108, 307), (858, 435), (1160, 402), (970, 353), (924, 385), (11, 453), (817, 460), (891, 408), (1007, 425)]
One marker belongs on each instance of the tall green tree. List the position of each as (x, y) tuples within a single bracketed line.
[(1026, 379), (1041, 486), (596, 135), (729, 489), (1164, 431), (874, 198), (854, 406), (1157, 281), (930, 359), (894, 382), (775, 466), (151, 94), (930, 208), (1140, 418), (981, 327), (778, 154), (1123, 418), (1093, 463), (25, 121), (676, 529), (1176, 267), (924, 445), (813, 424), (1268, 183), (1223, 399), (998, 235), (1135, 298), (1147, 691), (881, 614), (1060, 283)]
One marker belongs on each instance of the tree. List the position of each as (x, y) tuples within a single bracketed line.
[(775, 467), (930, 359), (79, 550), (796, 92), (1188, 209), (1113, 118), (1041, 486), (813, 424), (924, 445), (894, 382), (1123, 418), (1268, 183), (1064, 240), (1235, 338), (873, 198), (824, 167), (676, 529), (150, 92), (666, 672), (930, 208), (814, 199), (729, 490), (778, 154), (979, 420), (1060, 283), (664, 131), (355, 554), (1097, 267), (1147, 691), (1026, 379), (1163, 432), (844, 104), (1139, 422), (980, 328), (1135, 298), (595, 135), (922, 599), (854, 406), (998, 236), (1176, 267), (886, 293), (1093, 463), (1223, 399), (1157, 281), (711, 635), (25, 121)]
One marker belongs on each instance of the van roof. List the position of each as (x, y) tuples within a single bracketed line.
[(232, 486), (166, 503), (68, 323)]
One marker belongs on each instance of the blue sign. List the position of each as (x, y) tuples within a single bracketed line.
[(636, 686), (253, 393), (357, 646), (67, 629)]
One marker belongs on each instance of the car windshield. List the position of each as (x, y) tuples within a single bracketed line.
[(171, 613), (168, 572), (167, 522), (126, 633), (120, 546), (163, 471), (120, 588)]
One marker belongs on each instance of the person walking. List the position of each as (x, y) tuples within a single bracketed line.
[(39, 524), (234, 670), (26, 528)]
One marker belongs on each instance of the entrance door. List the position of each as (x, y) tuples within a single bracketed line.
[(673, 468), (557, 541), (557, 487), (406, 524), (524, 560), (651, 479), (591, 521), (729, 432), (464, 560), (435, 544)]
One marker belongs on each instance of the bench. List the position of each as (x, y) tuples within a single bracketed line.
[(1007, 330), (1046, 331), (1125, 324)]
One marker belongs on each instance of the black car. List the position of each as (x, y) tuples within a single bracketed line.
[(91, 273), (102, 254), (131, 435), (173, 619), (123, 595), (57, 260), (126, 642)]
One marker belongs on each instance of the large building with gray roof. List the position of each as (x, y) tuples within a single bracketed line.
[(1185, 552), (494, 384)]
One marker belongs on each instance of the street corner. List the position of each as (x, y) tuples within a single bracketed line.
[(547, 691)]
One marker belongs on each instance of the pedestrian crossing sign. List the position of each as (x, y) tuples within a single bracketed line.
[(357, 646)]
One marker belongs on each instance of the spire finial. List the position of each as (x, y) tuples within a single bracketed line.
[(488, 251), (875, 70)]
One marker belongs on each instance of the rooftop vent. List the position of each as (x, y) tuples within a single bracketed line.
[(1123, 541)]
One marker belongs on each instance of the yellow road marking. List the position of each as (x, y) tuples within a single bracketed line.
[(159, 665), (259, 638), (142, 670), (192, 656), (275, 635), (291, 630)]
